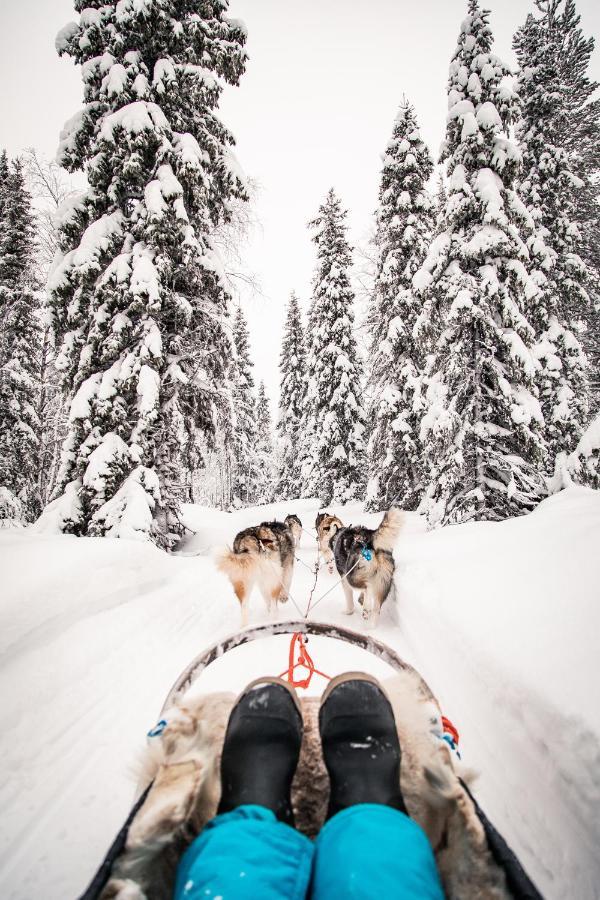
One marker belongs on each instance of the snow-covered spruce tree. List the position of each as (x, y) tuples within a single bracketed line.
[(292, 366), (581, 140), (549, 186), (244, 432), (482, 431), (265, 463), (139, 298), (333, 423), (404, 228), (19, 350)]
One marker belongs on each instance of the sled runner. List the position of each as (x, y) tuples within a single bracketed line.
[(179, 789)]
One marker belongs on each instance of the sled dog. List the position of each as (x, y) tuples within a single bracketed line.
[(264, 556), (363, 558), (295, 526), (326, 526)]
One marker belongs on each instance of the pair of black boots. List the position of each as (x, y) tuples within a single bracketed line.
[(358, 736)]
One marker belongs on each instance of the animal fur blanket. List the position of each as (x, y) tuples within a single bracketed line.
[(182, 766)]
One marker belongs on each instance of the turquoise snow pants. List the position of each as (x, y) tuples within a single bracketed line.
[(366, 851)]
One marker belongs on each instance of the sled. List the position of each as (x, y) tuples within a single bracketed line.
[(179, 787)]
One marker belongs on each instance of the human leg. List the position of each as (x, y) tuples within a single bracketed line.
[(369, 847), (250, 849), (245, 854), (370, 851)]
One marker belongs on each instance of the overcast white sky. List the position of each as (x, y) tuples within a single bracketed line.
[(314, 109)]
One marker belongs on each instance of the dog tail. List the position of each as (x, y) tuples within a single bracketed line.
[(387, 534), (234, 565)]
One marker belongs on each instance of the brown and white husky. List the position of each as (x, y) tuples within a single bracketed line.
[(326, 526), (263, 556)]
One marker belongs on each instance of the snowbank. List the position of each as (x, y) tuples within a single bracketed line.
[(502, 620)]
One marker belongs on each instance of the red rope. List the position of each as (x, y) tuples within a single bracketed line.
[(304, 660), (450, 729)]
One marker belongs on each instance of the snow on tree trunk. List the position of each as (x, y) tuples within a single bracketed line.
[(482, 430), (292, 365), (20, 347), (333, 422), (549, 187), (139, 297), (49, 188), (404, 225), (244, 432)]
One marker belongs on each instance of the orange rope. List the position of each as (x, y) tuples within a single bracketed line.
[(450, 729), (304, 660)]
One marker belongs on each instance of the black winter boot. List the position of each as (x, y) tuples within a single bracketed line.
[(261, 749), (360, 744)]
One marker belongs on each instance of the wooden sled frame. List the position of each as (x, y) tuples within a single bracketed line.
[(317, 629)]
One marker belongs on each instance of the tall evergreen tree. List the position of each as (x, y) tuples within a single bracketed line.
[(265, 462), (292, 366), (244, 432), (549, 187), (333, 423), (404, 227), (581, 140), (19, 350), (482, 430), (139, 298)]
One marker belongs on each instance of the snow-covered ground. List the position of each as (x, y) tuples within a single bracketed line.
[(502, 620)]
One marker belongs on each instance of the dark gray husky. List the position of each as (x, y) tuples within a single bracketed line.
[(363, 558)]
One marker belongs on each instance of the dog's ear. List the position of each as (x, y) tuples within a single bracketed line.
[(319, 519)]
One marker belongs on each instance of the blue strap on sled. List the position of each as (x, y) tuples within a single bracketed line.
[(158, 729)]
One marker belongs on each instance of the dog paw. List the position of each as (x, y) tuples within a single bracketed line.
[(348, 612)]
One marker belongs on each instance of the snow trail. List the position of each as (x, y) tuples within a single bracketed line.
[(499, 619)]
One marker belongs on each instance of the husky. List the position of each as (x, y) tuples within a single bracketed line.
[(261, 555), (363, 558), (326, 526), (295, 526)]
